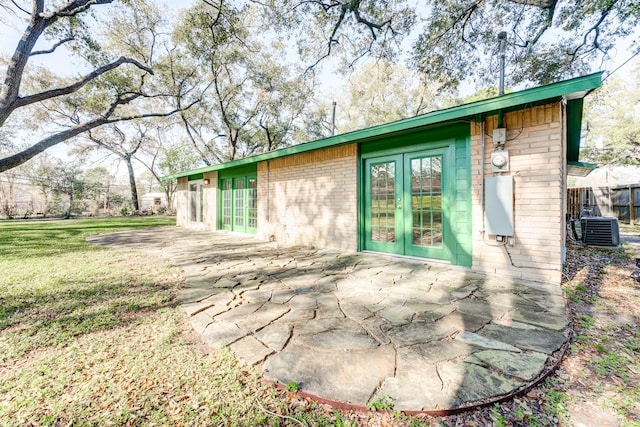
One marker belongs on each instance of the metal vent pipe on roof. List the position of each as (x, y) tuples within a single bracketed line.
[(502, 40), (333, 120)]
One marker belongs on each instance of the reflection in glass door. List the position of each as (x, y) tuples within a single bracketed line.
[(226, 203), (252, 204), (239, 213), (239, 207), (383, 227), (195, 202), (403, 204), (383, 204), (426, 201)]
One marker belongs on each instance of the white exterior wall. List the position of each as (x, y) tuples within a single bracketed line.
[(210, 201), (536, 142), (182, 202), (310, 199)]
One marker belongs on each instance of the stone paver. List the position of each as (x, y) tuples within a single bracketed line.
[(352, 327)]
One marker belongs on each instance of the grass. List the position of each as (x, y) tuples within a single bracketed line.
[(90, 336), (55, 286)]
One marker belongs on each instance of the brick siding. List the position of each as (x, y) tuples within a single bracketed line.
[(537, 144), (310, 199), (182, 202), (210, 201)]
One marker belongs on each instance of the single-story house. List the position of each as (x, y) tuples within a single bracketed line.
[(481, 185), (153, 201)]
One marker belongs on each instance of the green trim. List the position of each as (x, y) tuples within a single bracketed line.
[(360, 200), (195, 177), (464, 205), (575, 108), (569, 89), (418, 140), (233, 209), (455, 141), (250, 169)]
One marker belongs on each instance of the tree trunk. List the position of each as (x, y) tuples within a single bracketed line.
[(70, 203), (132, 183)]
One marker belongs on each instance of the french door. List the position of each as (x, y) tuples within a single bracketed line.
[(406, 204), (239, 204)]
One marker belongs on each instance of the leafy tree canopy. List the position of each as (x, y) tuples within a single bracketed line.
[(547, 40), (613, 117)]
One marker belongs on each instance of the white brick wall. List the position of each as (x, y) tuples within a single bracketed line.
[(210, 200), (536, 143), (182, 199), (310, 199)]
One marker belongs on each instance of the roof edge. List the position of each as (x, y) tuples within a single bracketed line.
[(569, 89)]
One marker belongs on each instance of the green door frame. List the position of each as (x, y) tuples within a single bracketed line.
[(389, 219), (446, 211), (394, 216), (238, 203)]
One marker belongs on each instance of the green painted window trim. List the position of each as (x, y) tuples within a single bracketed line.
[(196, 177)]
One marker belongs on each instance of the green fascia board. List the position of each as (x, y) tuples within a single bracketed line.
[(569, 89), (247, 169), (575, 108)]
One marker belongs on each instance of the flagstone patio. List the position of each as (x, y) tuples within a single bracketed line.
[(349, 328)]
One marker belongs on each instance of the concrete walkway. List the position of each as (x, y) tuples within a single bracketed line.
[(355, 327)]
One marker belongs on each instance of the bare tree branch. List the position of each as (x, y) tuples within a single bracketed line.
[(19, 8), (53, 93), (38, 23), (332, 39), (594, 29), (53, 48), (72, 8), (46, 143)]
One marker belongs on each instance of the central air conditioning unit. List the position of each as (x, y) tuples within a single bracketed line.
[(600, 231)]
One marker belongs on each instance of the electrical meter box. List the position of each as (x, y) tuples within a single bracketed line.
[(499, 205), (500, 136)]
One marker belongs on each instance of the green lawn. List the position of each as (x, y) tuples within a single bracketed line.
[(91, 336)]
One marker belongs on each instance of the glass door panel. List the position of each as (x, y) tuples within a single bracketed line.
[(226, 203), (383, 204), (425, 216), (238, 212), (252, 214), (426, 197), (404, 204), (195, 202)]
